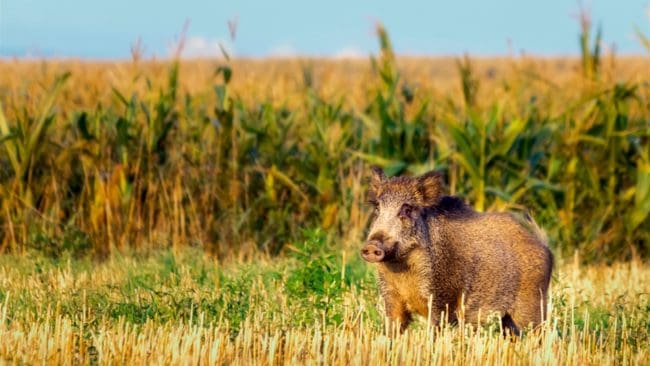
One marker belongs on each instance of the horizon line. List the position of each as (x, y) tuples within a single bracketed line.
[(323, 57)]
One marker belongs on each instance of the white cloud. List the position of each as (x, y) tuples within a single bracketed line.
[(284, 50), (201, 47), (350, 52)]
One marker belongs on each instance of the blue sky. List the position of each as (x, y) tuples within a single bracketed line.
[(107, 29)]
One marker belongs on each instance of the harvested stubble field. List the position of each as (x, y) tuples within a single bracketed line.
[(211, 212), (191, 309)]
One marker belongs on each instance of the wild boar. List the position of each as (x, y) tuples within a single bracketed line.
[(428, 245)]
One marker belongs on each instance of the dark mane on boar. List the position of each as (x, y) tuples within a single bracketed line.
[(451, 206), (436, 255)]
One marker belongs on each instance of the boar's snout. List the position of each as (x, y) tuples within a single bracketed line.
[(373, 252)]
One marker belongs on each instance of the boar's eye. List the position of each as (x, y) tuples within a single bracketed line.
[(405, 211), (374, 204)]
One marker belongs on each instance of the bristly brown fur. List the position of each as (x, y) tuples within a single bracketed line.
[(451, 253)]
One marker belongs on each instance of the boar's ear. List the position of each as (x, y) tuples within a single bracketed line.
[(377, 174), (430, 188), (376, 179)]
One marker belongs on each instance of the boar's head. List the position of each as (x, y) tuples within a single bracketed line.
[(399, 224)]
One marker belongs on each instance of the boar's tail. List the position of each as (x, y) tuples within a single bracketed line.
[(543, 238), (536, 229)]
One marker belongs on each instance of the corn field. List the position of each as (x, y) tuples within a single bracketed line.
[(245, 155)]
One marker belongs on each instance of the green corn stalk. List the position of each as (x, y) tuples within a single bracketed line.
[(391, 134), (590, 55), (25, 144), (160, 125), (645, 41), (641, 207), (481, 144), (469, 82), (25, 141)]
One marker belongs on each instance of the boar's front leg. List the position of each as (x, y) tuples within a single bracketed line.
[(397, 313)]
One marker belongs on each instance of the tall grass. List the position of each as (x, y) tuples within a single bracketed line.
[(147, 160)]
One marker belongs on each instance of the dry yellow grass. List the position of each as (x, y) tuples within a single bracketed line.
[(618, 294), (281, 81)]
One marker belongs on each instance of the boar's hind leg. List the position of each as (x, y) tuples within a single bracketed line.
[(528, 308), (508, 325)]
